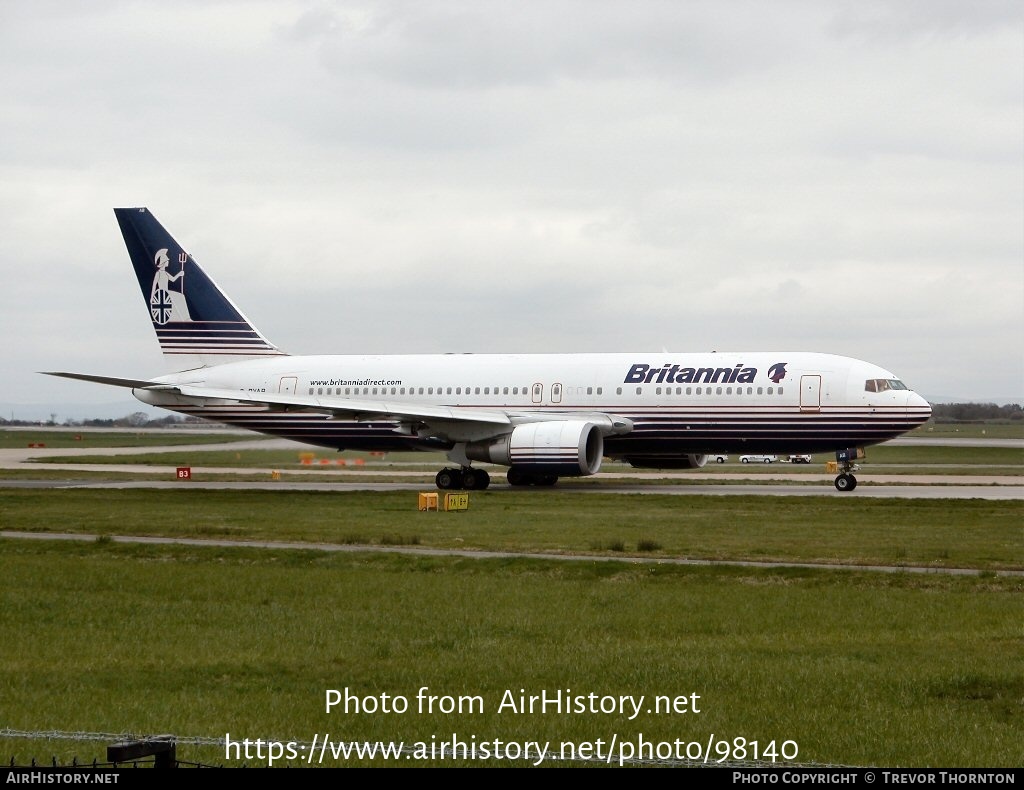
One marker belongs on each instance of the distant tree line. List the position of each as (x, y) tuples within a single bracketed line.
[(137, 419), (976, 412)]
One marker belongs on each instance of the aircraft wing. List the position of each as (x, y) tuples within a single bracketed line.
[(347, 408), (456, 423)]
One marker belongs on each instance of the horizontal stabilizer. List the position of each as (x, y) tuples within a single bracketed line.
[(112, 381)]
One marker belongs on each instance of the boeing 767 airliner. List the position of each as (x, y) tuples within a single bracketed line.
[(541, 415)]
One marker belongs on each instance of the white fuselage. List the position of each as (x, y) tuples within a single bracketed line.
[(676, 403)]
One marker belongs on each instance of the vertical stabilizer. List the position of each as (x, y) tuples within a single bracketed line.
[(194, 320)]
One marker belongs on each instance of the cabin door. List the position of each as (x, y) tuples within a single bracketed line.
[(810, 393)]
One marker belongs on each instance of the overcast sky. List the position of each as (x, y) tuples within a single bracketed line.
[(432, 176)]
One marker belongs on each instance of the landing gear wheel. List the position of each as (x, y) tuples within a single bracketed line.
[(448, 478), (546, 480), (846, 482), (516, 478), (475, 479)]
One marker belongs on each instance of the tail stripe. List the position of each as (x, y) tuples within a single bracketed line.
[(212, 337)]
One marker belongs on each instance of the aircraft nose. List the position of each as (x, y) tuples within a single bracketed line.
[(918, 404)]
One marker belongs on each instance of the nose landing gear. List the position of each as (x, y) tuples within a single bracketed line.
[(845, 463), (846, 482)]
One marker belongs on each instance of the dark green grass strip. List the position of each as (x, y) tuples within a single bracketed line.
[(979, 534)]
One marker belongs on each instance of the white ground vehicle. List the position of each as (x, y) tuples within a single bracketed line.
[(799, 459), (758, 459), (719, 458)]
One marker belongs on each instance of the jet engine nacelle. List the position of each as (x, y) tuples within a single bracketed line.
[(691, 461), (567, 448)]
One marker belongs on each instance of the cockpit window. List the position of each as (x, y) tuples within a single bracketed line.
[(881, 385)]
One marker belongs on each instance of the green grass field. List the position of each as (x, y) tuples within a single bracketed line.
[(992, 430), (855, 668)]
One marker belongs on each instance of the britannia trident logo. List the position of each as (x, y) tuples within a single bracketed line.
[(777, 372), (167, 297)]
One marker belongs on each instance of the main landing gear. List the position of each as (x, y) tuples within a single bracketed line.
[(469, 479), (466, 478)]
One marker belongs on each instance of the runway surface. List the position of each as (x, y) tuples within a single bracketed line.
[(872, 481), (946, 491)]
